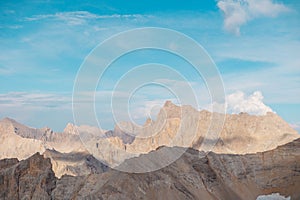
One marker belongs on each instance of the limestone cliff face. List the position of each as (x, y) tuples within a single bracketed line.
[(18, 141), (193, 176), (181, 126), (242, 133), (186, 127)]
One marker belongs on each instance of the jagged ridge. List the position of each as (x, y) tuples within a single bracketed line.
[(214, 176)]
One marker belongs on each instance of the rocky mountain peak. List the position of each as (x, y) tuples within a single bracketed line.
[(168, 103), (148, 122), (169, 110), (71, 129), (241, 134), (47, 130)]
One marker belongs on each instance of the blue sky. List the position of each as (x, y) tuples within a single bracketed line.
[(254, 43)]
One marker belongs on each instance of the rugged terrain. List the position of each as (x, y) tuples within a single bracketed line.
[(174, 126), (194, 175), (176, 156)]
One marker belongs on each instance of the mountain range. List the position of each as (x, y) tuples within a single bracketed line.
[(250, 156)]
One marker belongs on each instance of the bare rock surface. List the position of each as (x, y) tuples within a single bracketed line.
[(184, 126), (32, 178), (74, 163), (18, 141), (181, 126), (195, 175)]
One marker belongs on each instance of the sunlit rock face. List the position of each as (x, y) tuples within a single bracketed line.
[(181, 126), (186, 127)]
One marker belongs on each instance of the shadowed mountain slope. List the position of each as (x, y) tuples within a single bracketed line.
[(194, 175)]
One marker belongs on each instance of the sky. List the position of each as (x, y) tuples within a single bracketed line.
[(255, 45)]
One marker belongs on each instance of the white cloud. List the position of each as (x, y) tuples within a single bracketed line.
[(238, 12), (252, 104), (238, 102)]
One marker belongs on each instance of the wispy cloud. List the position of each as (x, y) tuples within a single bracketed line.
[(15, 27), (31, 56), (5, 70), (284, 91), (79, 17), (35, 100), (239, 12), (37, 109)]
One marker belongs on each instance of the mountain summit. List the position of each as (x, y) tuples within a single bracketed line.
[(181, 126)]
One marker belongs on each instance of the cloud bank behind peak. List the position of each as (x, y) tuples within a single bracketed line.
[(253, 104)]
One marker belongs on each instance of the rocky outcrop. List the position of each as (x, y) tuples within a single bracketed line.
[(32, 178), (195, 175), (74, 163)]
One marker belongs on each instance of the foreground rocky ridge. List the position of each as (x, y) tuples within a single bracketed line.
[(75, 163), (193, 176)]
